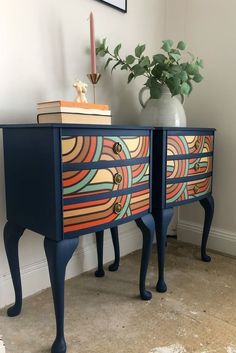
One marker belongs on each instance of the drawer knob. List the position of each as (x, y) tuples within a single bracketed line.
[(197, 144), (195, 189), (117, 208), (118, 178), (117, 148), (196, 167)]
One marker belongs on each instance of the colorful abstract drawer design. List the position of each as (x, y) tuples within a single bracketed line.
[(85, 215), (178, 145), (187, 190), (87, 149), (96, 181), (188, 167)]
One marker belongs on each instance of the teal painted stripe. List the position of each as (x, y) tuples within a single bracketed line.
[(136, 179), (183, 139), (126, 205), (97, 187), (74, 188), (98, 149)]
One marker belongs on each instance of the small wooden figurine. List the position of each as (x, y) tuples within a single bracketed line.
[(81, 89)]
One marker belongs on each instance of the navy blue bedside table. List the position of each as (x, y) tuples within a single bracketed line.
[(64, 181), (182, 161)]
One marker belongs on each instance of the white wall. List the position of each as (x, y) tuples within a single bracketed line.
[(44, 48), (208, 26)]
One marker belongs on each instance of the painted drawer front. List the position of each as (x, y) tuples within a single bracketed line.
[(187, 190), (188, 167), (189, 144), (81, 215), (96, 181), (86, 149)]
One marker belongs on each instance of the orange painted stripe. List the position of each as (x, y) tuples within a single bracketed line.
[(92, 149), (170, 194), (77, 178), (139, 210)]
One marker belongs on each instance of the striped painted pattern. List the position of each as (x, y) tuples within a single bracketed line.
[(185, 190), (187, 144), (187, 167), (95, 181), (90, 214), (85, 149)]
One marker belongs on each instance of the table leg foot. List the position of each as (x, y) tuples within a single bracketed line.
[(162, 219), (58, 255), (161, 286), (12, 235), (59, 345), (208, 205), (99, 241), (147, 226), (115, 240)]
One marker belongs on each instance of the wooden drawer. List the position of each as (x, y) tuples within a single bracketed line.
[(85, 215), (87, 149), (187, 190), (179, 145), (179, 168), (96, 181)]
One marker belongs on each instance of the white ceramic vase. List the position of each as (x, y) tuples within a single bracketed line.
[(164, 111)]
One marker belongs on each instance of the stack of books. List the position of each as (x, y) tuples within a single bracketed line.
[(73, 113)]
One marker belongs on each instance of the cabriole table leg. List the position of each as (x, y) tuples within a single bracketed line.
[(58, 255), (12, 235)]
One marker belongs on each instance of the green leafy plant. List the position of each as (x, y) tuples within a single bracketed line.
[(167, 67)]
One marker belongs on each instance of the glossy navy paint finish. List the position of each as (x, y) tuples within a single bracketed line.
[(115, 240), (162, 218), (58, 255), (147, 227), (12, 235), (208, 205), (99, 241), (32, 180)]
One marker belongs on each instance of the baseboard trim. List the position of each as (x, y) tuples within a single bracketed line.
[(35, 276), (220, 240)]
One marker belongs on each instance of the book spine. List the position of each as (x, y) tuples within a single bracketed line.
[(70, 104), (73, 110)]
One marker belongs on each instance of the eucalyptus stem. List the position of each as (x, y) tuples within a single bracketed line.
[(164, 68)]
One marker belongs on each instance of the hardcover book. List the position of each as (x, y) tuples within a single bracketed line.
[(73, 118)]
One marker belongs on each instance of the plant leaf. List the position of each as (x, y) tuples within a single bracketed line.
[(138, 70), (176, 57), (155, 90), (198, 78), (130, 77), (108, 62), (183, 76), (185, 88), (145, 61), (167, 45), (118, 63), (200, 63), (116, 50), (130, 59), (181, 45), (139, 50), (159, 58), (124, 67)]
